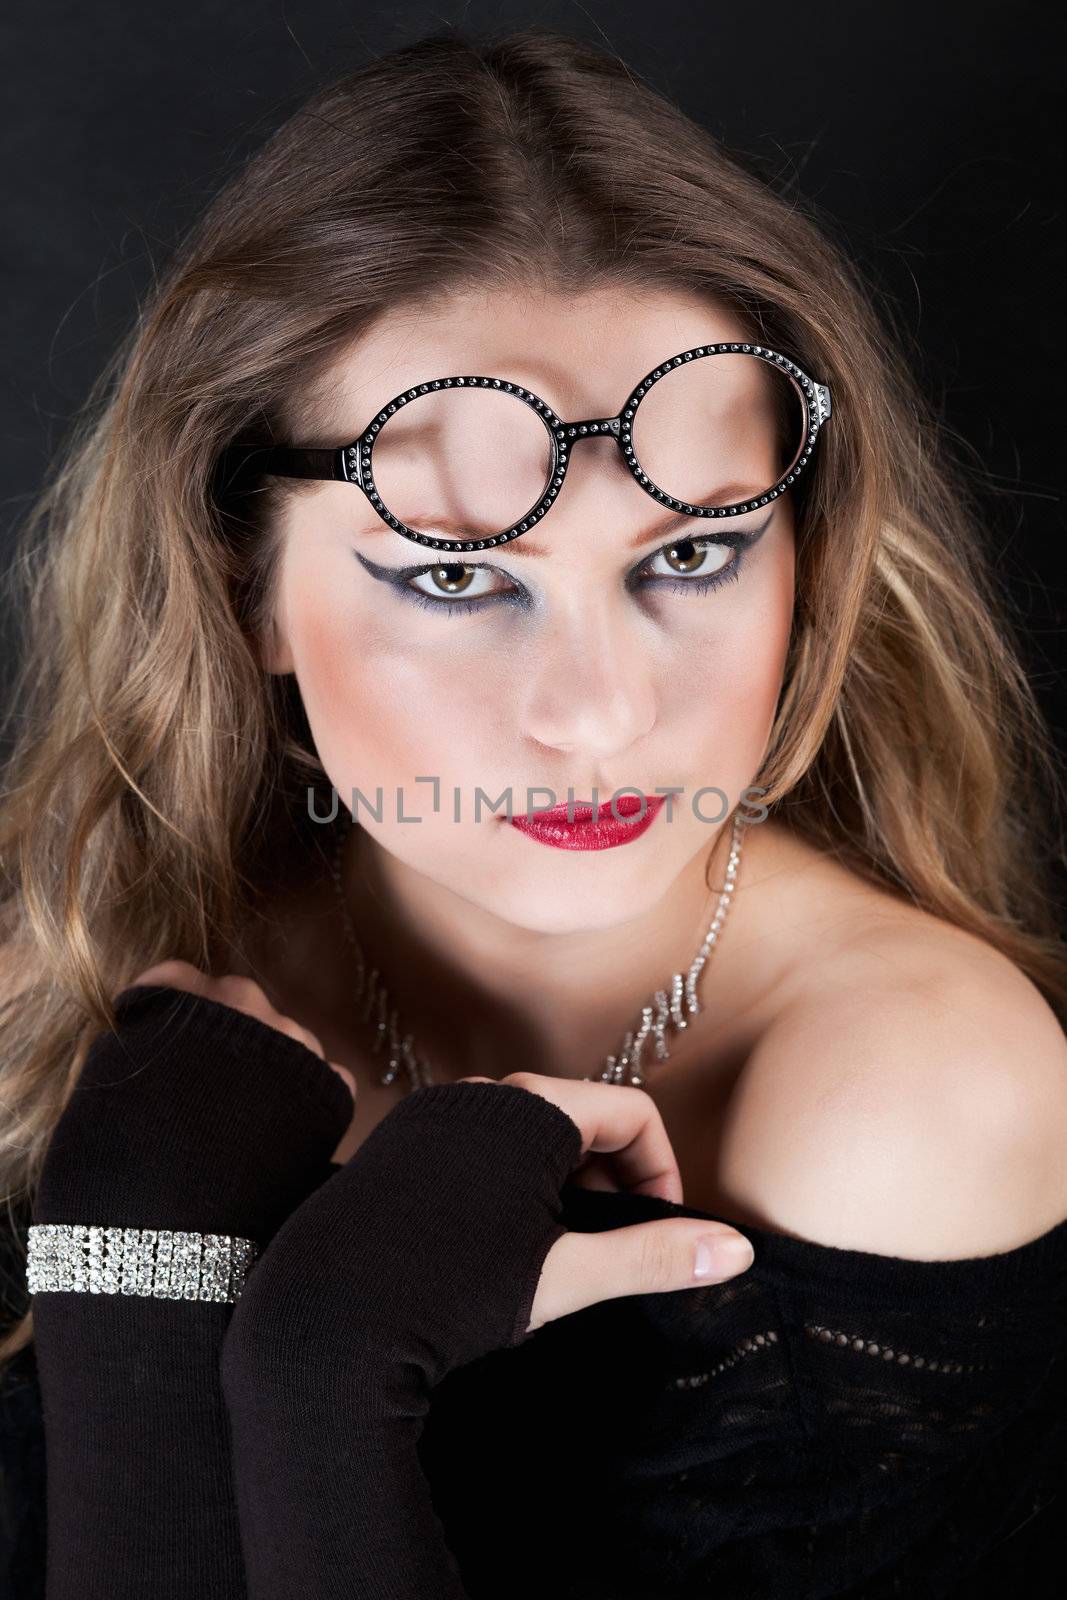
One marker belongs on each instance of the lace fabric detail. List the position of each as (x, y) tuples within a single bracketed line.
[(882, 1351), (886, 1352), (744, 1347)]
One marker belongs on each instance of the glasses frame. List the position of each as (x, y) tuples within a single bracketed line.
[(354, 462)]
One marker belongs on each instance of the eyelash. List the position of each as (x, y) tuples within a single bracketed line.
[(730, 574)]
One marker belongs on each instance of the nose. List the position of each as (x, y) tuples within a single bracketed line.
[(590, 689)]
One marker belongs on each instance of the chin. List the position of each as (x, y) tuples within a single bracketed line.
[(559, 909)]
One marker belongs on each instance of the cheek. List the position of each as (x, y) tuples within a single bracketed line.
[(382, 711), (731, 666), (383, 715), (730, 679)]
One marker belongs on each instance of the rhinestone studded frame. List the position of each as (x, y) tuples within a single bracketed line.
[(358, 457), (160, 1263)]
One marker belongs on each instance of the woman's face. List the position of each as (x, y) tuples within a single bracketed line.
[(590, 659)]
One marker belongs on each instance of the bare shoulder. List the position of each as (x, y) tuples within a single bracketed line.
[(910, 1099)]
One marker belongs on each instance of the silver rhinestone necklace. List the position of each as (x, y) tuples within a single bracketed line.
[(665, 1012)]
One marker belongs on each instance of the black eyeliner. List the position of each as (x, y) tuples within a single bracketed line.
[(740, 538), (397, 575)]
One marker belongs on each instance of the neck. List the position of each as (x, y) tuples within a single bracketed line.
[(476, 991)]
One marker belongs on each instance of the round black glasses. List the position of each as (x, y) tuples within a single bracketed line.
[(497, 453)]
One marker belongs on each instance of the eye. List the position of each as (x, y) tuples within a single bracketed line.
[(689, 563), (695, 563), (699, 564), (454, 578)]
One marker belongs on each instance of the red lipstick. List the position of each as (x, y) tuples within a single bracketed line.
[(591, 831)]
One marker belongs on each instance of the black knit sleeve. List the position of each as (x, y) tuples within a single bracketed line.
[(422, 1253), (190, 1121)]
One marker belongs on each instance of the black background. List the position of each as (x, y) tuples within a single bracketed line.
[(928, 137)]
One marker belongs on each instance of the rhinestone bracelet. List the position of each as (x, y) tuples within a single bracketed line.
[(143, 1261)]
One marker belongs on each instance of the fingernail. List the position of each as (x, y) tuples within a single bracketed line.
[(721, 1256)]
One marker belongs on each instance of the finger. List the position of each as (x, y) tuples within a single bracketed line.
[(295, 1031), (246, 995), (173, 974), (622, 1121), (632, 1131), (594, 1173), (243, 994), (343, 1072), (581, 1269)]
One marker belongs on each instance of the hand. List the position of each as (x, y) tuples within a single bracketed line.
[(194, 1114), (624, 1124), (242, 994), (427, 1250), (186, 1116)]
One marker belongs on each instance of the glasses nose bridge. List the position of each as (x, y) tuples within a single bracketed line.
[(568, 434), (589, 428)]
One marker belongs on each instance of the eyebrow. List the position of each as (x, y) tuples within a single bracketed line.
[(523, 545)]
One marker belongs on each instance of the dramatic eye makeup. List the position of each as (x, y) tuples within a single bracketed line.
[(703, 575)]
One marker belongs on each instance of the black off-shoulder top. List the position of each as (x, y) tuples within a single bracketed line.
[(830, 1424)]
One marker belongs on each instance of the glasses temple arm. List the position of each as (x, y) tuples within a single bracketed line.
[(282, 461)]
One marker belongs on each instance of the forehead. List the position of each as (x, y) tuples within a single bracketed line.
[(582, 353)]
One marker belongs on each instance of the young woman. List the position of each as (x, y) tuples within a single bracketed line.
[(498, 434)]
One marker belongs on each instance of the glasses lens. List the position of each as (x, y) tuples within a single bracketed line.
[(462, 463), (720, 428)]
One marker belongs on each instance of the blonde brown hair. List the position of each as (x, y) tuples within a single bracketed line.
[(149, 748)]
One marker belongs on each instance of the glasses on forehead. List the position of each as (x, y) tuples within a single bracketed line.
[(466, 463)]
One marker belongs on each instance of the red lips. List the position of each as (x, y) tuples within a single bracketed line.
[(588, 831)]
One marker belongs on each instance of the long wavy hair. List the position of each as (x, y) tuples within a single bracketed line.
[(151, 755)]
